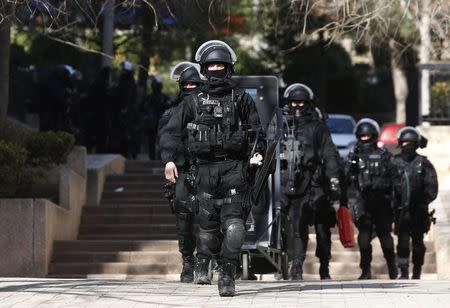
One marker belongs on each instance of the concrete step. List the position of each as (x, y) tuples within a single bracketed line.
[(134, 178), (159, 191), (88, 219), (336, 246), (134, 195), (144, 164), (126, 229), (150, 170), (128, 209), (344, 268), (135, 186), (115, 245), (130, 236), (353, 257), (159, 257), (114, 268), (135, 200)]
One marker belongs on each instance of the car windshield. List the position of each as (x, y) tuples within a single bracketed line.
[(340, 126)]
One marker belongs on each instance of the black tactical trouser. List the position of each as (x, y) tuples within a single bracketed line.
[(187, 227), (418, 251), (222, 190), (378, 218), (303, 212), (413, 226)]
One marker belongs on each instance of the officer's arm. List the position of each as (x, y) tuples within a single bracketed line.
[(328, 152), (172, 134), (395, 176), (430, 181)]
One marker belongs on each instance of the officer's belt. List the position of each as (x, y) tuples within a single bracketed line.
[(228, 200), (215, 159)]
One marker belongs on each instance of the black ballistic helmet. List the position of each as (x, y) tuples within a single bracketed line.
[(215, 51), (410, 134), (367, 127), (298, 92), (185, 72), (190, 75)]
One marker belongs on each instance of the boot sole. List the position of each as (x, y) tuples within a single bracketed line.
[(203, 281), (227, 292)]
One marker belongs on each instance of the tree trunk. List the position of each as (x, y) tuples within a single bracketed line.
[(424, 55), (148, 23), (400, 82), (108, 33), (5, 31)]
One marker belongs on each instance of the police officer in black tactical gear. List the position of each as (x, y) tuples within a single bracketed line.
[(188, 77), (222, 124), (419, 187), (310, 177), (371, 175)]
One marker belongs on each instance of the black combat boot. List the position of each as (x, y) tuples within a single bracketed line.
[(417, 270), (365, 274), (404, 272), (187, 274), (226, 280), (324, 271), (297, 270), (202, 271), (392, 269)]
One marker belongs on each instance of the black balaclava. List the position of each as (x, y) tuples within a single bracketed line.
[(409, 151), (220, 74), (187, 91)]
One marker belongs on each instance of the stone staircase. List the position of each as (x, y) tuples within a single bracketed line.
[(132, 235), (132, 232)]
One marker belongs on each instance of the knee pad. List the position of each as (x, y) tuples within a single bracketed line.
[(211, 238), (235, 234)]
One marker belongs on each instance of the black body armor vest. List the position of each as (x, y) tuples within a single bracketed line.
[(372, 171), (412, 175), (217, 131)]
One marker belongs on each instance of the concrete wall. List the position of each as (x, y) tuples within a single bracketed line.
[(99, 166), (438, 152), (28, 227)]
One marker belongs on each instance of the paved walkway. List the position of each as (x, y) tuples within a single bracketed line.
[(15, 292)]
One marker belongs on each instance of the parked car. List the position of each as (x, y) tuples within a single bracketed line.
[(341, 127), (388, 137)]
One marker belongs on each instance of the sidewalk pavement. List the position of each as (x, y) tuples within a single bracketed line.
[(28, 292)]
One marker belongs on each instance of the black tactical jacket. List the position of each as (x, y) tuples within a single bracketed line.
[(188, 111), (371, 169), (182, 157), (422, 181)]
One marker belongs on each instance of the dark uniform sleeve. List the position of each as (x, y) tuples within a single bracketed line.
[(430, 182), (393, 176), (249, 115), (328, 152), (172, 135)]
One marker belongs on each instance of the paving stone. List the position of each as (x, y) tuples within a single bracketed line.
[(17, 292)]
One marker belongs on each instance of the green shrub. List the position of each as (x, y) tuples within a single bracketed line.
[(440, 98), (13, 160), (48, 148), (14, 131), (26, 154)]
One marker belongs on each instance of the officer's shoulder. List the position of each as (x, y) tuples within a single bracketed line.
[(384, 153), (425, 160), (396, 159)]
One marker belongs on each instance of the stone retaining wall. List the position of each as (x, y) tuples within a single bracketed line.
[(28, 227)]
